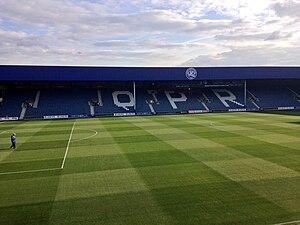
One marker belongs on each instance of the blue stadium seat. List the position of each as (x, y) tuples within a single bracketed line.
[(76, 102), (62, 102), (12, 102)]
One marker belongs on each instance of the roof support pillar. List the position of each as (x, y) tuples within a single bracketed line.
[(134, 96), (245, 94)]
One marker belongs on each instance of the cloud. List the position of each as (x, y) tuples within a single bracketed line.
[(277, 35), (287, 9), (148, 33), (242, 37), (262, 55)]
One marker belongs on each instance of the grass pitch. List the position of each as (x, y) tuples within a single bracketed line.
[(224, 168)]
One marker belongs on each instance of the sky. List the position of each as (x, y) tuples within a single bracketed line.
[(150, 32)]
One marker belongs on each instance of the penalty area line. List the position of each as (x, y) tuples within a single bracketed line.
[(68, 145), (286, 223), (29, 171)]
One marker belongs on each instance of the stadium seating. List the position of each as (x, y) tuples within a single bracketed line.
[(115, 101), (273, 97), (143, 99), (79, 102), (13, 100), (62, 102), (174, 102)]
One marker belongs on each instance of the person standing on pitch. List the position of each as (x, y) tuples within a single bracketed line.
[(13, 141)]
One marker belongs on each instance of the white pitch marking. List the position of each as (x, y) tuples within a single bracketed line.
[(29, 171), (296, 221), (93, 135), (67, 149)]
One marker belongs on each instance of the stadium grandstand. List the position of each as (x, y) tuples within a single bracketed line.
[(49, 92), (192, 167)]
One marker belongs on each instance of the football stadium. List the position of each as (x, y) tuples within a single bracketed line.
[(150, 145)]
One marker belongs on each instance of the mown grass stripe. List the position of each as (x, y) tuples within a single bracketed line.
[(146, 159), (20, 143), (243, 132), (179, 143), (151, 170), (258, 170)]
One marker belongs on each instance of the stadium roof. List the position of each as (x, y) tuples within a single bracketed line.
[(84, 73)]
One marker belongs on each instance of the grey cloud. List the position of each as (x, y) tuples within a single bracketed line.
[(77, 21), (144, 44), (158, 21), (113, 43), (239, 22), (249, 56), (44, 13), (81, 32), (20, 41), (288, 8), (242, 37), (31, 42), (277, 35)]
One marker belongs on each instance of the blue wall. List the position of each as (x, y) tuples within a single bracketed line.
[(82, 73)]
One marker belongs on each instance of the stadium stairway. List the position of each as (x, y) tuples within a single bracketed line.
[(89, 102), (11, 105), (122, 101), (295, 92), (176, 102), (275, 97), (61, 102)]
